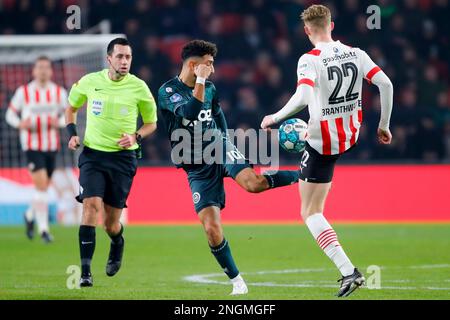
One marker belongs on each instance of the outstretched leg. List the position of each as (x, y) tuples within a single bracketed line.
[(255, 183)]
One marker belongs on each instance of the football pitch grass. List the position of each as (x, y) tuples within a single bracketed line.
[(277, 261)]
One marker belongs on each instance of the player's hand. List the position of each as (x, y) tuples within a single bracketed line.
[(74, 143), (267, 122), (127, 140), (384, 136), (25, 124), (203, 71)]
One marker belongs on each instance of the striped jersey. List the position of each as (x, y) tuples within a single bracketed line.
[(336, 72), (44, 106)]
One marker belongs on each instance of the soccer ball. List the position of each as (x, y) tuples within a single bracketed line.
[(292, 135)]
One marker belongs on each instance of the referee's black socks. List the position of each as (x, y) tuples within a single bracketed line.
[(117, 238), (86, 235)]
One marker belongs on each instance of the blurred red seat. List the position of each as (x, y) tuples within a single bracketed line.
[(228, 71), (231, 23), (171, 46)]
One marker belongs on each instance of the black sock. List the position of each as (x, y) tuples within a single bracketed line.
[(222, 253), (281, 178), (117, 238), (86, 235)]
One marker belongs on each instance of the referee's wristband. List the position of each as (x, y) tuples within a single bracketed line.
[(72, 129), (200, 80)]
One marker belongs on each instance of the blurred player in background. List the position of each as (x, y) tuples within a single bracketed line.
[(330, 83), (108, 161), (190, 102), (37, 110)]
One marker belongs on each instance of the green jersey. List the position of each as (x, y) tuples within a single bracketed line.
[(175, 103), (112, 108)]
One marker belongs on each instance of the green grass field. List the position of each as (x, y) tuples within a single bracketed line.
[(278, 262)]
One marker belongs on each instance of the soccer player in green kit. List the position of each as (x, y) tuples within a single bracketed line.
[(190, 102), (108, 161)]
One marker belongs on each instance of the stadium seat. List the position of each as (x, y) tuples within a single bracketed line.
[(172, 46)]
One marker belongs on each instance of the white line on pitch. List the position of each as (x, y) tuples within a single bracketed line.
[(206, 279)]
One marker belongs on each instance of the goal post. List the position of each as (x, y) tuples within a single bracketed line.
[(72, 57)]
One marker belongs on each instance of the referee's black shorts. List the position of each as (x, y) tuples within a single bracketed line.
[(107, 175)]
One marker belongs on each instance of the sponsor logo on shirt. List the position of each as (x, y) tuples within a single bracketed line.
[(339, 57), (205, 115), (302, 67)]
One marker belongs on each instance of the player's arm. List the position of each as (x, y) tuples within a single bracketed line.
[(303, 95), (221, 122), (218, 115), (190, 108), (296, 103), (375, 75), (12, 114), (77, 97)]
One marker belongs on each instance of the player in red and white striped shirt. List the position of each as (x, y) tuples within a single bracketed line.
[(330, 83), (37, 110)]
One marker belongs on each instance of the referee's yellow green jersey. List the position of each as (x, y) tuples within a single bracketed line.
[(112, 108)]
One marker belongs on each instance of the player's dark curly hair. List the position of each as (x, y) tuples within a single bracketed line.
[(198, 48)]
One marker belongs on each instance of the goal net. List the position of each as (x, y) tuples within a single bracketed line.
[(72, 57)]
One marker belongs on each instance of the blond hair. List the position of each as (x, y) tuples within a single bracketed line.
[(317, 16)]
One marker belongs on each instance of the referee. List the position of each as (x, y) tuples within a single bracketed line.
[(108, 161)]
